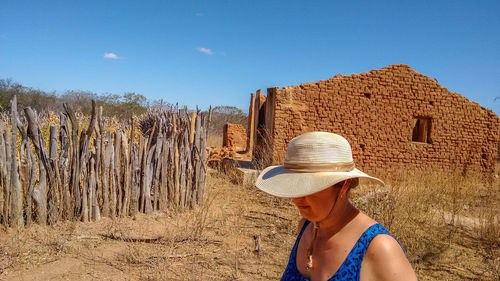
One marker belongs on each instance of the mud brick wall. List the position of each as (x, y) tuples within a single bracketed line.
[(234, 136), (376, 112)]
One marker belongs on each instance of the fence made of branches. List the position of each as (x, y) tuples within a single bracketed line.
[(153, 164)]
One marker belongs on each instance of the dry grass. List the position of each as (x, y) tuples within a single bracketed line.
[(214, 140), (448, 226)]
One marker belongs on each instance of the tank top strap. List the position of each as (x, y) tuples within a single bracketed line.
[(296, 245), (367, 237), (291, 272), (352, 264)]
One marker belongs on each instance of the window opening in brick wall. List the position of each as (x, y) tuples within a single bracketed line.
[(422, 130)]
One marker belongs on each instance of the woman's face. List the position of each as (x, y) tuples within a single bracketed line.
[(317, 206)]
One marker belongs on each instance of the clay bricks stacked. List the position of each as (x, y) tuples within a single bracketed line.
[(219, 153), (234, 143), (235, 136), (377, 111)]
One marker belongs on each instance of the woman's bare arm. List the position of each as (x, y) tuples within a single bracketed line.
[(385, 261)]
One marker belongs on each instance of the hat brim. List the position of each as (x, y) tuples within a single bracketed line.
[(276, 181)]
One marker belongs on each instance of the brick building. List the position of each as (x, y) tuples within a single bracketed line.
[(392, 116)]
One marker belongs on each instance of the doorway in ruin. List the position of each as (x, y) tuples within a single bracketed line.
[(263, 126)]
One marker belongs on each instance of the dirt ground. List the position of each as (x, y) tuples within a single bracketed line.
[(215, 241)]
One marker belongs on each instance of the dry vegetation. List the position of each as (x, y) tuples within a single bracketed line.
[(448, 225), (214, 140)]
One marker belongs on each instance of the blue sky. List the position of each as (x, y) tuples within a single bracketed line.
[(218, 52)]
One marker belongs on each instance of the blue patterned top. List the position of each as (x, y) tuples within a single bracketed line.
[(350, 268)]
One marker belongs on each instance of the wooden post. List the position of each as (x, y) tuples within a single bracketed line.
[(148, 208), (24, 169), (209, 118), (182, 164), (203, 170), (176, 162), (112, 180), (157, 169), (164, 176), (143, 164), (134, 179), (53, 142), (95, 212), (3, 171), (117, 171), (90, 184), (84, 181), (6, 180), (126, 175), (137, 199), (17, 199), (31, 183), (57, 185), (171, 170), (64, 165), (192, 128), (132, 171), (197, 159), (27, 172), (75, 161), (99, 132), (40, 195), (106, 175), (188, 171)]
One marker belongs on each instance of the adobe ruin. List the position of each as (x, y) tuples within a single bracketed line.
[(393, 117)]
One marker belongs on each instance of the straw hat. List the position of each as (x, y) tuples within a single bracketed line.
[(314, 161)]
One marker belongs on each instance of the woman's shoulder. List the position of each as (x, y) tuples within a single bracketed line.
[(384, 245), (386, 260)]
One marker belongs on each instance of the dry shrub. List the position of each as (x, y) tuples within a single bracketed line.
[(435, 215), (24, 247), (202, 216), (263, 150)]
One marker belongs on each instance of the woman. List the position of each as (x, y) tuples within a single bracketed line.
[(335, 240)]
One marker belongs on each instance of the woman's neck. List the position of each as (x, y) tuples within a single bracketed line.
[(341, 214)]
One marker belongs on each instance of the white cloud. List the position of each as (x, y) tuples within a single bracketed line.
[(205, 50), (112, 56), (199, 14)]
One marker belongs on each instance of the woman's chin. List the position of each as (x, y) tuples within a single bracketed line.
[(307, 215)]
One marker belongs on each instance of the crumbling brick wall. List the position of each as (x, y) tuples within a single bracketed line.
[(377, 113), (234, 142), (234, 136)]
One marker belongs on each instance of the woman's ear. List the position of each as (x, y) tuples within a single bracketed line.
[(345, 187)]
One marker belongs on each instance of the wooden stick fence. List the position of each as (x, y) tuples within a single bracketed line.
[(89, 173)]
